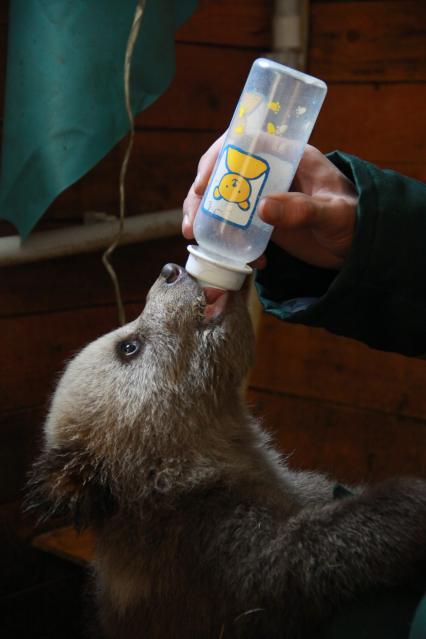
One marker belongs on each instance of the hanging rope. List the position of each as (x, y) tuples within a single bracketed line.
[(133, 36)]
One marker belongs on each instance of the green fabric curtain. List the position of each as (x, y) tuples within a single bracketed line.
[(64, 107)]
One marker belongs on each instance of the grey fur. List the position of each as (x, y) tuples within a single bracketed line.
[(202, 530)]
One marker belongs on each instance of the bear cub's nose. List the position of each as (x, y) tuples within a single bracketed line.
[(171, 273)]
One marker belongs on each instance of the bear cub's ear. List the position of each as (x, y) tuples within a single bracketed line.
[(64, 481)]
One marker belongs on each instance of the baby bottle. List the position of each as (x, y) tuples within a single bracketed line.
[(271, 125)]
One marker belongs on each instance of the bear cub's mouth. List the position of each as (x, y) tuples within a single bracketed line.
[(216, 304)]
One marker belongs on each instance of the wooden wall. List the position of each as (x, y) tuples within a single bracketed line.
[(333, 403)]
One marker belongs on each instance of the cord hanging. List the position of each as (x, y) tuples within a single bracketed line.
[(131, 42)]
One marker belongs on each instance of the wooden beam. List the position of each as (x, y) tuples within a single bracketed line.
[(19, 439), (347, 444), (237, 23), (382, 123), (66, 543), (309, 362), (74, 283), (204, 92), (370, 41), (29, 373)]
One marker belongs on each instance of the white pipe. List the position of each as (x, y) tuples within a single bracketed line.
[(289, 32), (73, 240)]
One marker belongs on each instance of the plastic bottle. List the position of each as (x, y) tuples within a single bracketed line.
[(271, 125)]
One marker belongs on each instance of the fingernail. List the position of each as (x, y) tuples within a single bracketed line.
[(185, 221), (270, 209)]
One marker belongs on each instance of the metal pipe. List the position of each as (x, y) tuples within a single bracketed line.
[(74, 240)]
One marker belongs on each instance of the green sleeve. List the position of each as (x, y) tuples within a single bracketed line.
[(379, 295)]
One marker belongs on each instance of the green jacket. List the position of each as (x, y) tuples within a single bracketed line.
[(379, 298)]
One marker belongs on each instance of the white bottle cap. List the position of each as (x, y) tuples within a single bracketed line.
[(210, 271)]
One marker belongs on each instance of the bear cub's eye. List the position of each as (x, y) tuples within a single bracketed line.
[(129, 347)]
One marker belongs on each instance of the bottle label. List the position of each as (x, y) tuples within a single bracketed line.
[(235, 188)]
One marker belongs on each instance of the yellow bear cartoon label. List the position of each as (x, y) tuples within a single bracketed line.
[(236, 186), (248, 166)]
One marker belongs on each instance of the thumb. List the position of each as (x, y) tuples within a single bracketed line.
[(291, 211)]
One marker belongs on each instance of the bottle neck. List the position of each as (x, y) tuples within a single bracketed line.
[(216, 271)]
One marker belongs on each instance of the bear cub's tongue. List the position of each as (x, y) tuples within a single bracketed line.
[(216, 299)]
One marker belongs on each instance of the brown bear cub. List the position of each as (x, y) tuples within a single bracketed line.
[(202, 529)]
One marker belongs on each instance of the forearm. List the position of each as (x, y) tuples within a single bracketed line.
[(325, 555)]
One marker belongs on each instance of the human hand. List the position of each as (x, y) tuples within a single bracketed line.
[(196, 192), (314, 222)]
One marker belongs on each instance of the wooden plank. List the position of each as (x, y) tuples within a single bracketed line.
[(81, 280), (347, 444), (238, 23), (381, 123), (35, 349), (308, 362), (380, 41), (19, 432), (385, 121), (202, 95), (66, 543)]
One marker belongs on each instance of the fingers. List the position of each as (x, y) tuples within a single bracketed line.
[(196, 192), (290, 211), (190, 207), (317, 229), (205, 166), (316, 175)]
